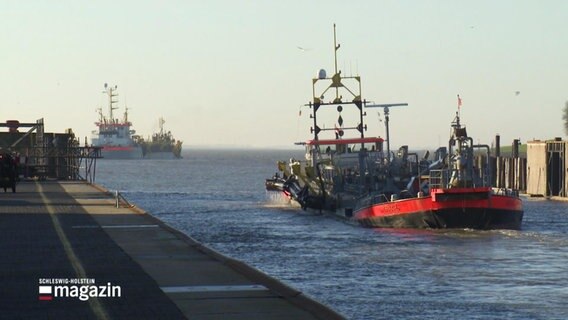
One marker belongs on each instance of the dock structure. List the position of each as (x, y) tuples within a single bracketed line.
[(48, 155), (507, 170), (547, 168), (60, 237)]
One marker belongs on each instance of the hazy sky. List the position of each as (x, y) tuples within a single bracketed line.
[(230, 73)]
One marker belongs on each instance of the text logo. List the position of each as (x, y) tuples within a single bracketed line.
[(82, 290)]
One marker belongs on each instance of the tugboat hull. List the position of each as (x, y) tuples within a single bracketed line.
[(465, 209), (455, 218)]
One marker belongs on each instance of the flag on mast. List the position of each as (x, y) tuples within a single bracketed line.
[(459, 101)]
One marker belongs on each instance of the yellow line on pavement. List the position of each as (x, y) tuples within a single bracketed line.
[(94, 303)]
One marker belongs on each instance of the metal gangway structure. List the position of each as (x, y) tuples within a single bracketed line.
[(44, 155)]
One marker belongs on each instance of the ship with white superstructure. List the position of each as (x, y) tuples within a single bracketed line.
[(114, 135)]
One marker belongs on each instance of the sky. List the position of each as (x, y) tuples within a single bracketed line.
[(237, 73)]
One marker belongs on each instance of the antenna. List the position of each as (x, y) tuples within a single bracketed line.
[(335, 48), (111, 94), (161, 122), (125, 110), (386, 111)]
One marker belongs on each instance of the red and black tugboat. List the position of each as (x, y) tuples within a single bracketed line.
[(452, 193), (355, 177)]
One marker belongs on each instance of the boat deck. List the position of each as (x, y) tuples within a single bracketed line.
[(52, 231)]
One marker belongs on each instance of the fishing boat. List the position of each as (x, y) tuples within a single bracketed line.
[(115, 136), (359, 179)]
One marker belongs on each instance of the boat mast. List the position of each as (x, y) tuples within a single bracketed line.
[(386, 111), (110, 91), (161, 122), (338, 83), (101, 117), (335, 48)]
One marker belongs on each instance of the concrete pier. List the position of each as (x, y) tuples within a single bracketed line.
[(57, 237)]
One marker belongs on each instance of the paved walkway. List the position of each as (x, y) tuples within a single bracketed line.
[(57, 232)]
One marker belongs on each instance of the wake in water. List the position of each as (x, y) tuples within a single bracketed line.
[(276, 199)]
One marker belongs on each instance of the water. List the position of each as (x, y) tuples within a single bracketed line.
[(218, 198)]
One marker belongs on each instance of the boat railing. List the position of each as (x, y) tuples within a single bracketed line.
[(380, 198), (439, 178), (506, 192), (445, 178), (369, 201)]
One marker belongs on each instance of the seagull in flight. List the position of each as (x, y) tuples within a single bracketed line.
[(303, 49)]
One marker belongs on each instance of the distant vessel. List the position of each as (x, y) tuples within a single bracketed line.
[(114, 135), (162, 145)]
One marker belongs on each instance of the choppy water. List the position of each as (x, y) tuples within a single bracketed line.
[(218, 198)]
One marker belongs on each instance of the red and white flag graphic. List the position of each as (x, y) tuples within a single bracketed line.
[(45, 293)]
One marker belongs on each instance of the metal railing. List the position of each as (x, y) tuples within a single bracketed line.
[(121, 201), (439, 178)]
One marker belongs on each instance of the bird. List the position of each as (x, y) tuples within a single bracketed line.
[(303, 49), (517, 93)]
